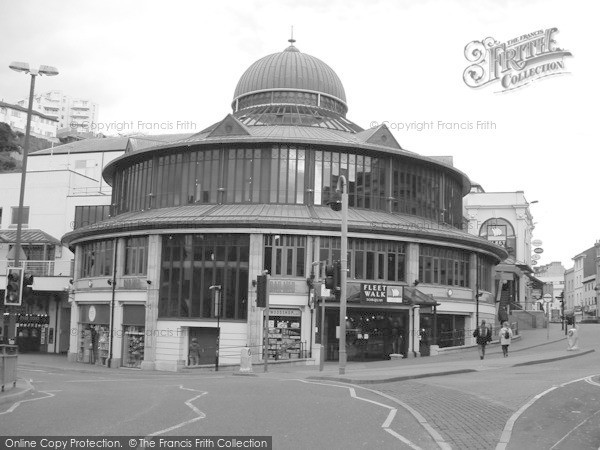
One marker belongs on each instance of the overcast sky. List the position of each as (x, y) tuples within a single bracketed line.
[(401, 62)]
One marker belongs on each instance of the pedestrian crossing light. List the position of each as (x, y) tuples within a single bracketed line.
[(262, 291), (333, 278), (14, 286)]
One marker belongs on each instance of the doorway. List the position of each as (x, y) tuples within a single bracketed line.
[(207, 341)]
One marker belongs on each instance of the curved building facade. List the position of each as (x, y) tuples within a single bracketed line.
[(194, 222)]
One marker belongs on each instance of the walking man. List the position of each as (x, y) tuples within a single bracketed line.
[(483, 335)]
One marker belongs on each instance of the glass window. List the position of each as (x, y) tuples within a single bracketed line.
[(192, 263), (136, 255), (285, 255), (97, 259)]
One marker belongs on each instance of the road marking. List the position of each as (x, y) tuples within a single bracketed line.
[(110, 380), (508, 428), (188, 403), (590, 381), (569, 433), (20, 402), (386, 424)]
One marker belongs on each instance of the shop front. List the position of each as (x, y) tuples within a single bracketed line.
[(285, 341), (93, 334), (377, 323), (32, 332), (134, 317)]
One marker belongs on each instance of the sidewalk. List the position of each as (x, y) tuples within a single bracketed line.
[(532, 347)]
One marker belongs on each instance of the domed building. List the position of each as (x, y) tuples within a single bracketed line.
[(195, 222)]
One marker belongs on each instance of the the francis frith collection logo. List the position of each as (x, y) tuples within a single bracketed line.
[(514, 63)]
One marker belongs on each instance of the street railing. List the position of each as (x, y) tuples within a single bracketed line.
[(8, 366), (49, 268)]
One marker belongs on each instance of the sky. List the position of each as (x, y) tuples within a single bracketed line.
[(173, 67)]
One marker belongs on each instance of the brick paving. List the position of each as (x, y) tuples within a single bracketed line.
[(465, 421)]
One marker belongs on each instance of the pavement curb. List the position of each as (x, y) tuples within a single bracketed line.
[(393, 379), (11, 397), (543, 361)]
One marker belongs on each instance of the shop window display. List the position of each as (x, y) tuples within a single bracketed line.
[(284, 337), (133, 346)]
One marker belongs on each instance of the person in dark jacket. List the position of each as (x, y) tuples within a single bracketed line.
[(483, 335)]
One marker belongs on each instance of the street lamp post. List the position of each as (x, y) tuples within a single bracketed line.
[(43, 70), (216, 289), (342, 206)]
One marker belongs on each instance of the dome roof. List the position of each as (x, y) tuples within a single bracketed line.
[(290, 69)]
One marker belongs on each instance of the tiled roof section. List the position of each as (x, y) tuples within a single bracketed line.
[(28, 237), (284, 216), (26, 110), (96, 145)]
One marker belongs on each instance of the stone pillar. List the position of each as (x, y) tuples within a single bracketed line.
[(412, 263), (74, 332), (254, 330), (415, 335), (152, 293)]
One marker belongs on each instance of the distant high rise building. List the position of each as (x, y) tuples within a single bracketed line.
[(78, 114)]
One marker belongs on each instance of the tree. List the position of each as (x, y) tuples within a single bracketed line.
[(8, 145)]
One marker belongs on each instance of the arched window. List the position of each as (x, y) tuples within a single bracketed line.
[(501, 232)]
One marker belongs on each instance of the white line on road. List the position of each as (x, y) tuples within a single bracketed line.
[(508, 428), (590, 381), (201, 415), (17, 404), (390, 417)]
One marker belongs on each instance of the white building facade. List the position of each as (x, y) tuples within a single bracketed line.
[(78, 114)]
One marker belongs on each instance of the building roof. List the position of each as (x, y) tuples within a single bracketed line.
[(25, 110), (96, 145), (293, 70), (302, 217), (112, 144), (28, 237)]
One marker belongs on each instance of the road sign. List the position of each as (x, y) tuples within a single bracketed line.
[(534, 263), (536, 243), (538, 250), (535, 257)]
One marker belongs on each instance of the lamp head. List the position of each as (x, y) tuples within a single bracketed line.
[(49, 71), (19, 66)]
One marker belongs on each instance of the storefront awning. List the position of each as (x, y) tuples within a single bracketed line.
[(414, 296)]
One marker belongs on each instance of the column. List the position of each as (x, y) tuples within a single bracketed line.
[(152, 293)]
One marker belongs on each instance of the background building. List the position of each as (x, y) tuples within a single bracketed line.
[(505, 219), (64, 191), (42, 125), (250, 193), (74, 113), (553, 277), (581, 289)]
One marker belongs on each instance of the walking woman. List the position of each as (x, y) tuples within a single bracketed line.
[(505, 338), (483, 335)]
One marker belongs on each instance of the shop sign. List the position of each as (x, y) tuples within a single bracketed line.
[(282, 287), (380, 293), (284, 312)]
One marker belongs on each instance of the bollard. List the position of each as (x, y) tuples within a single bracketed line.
[(572, 339), (246, 361)]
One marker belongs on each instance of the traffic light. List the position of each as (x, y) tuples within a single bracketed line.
[(333, 279), (335, 201), (14, 286), (262, 291)]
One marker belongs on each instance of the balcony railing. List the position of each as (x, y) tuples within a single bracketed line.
[(43, 268)]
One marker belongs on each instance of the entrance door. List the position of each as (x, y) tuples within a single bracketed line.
[(64, 335), (207, 339)]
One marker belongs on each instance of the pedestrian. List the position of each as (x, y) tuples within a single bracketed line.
[(483, 335), (194, 352), (505, 338)]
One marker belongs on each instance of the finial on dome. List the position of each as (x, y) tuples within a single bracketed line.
[(292, 40)]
